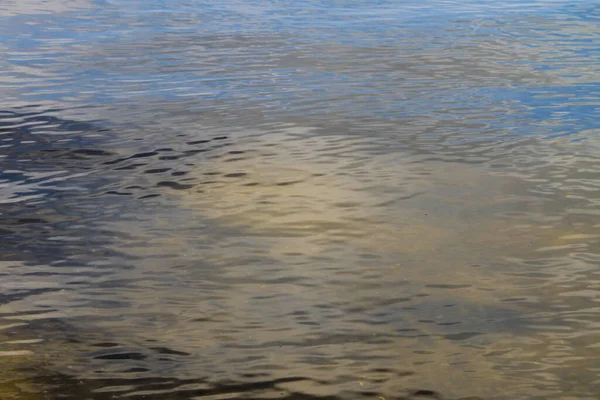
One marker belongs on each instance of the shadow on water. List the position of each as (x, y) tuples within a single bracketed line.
[(51, 239), (45, 167)]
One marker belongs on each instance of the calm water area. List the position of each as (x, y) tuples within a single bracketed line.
[(299, 200)]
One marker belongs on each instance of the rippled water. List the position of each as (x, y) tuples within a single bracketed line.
[(299, 200)]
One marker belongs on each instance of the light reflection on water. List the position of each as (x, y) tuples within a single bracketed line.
[(309, 200)]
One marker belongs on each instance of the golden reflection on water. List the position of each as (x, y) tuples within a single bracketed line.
[(14, 384), (429, 225), (393, 272)]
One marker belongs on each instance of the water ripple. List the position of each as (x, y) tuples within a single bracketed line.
[(311, 200)]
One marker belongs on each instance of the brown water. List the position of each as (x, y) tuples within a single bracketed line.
[(345, 200)]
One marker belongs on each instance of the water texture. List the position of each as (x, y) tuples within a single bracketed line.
[(299, 200)]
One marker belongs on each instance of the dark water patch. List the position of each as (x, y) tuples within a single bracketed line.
[(60, 140), (169, 158), (119, 193), (23, 221), (143, 155), (287, 183), (194, 152), (174, 185), (156, 170), (130, 167), (121, 356), (10, 296), (235, 175), (164, 350), (92, 152)]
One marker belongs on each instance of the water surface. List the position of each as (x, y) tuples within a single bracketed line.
[(299, 200)]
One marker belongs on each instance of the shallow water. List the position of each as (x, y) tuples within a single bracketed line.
[(307, 200)]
